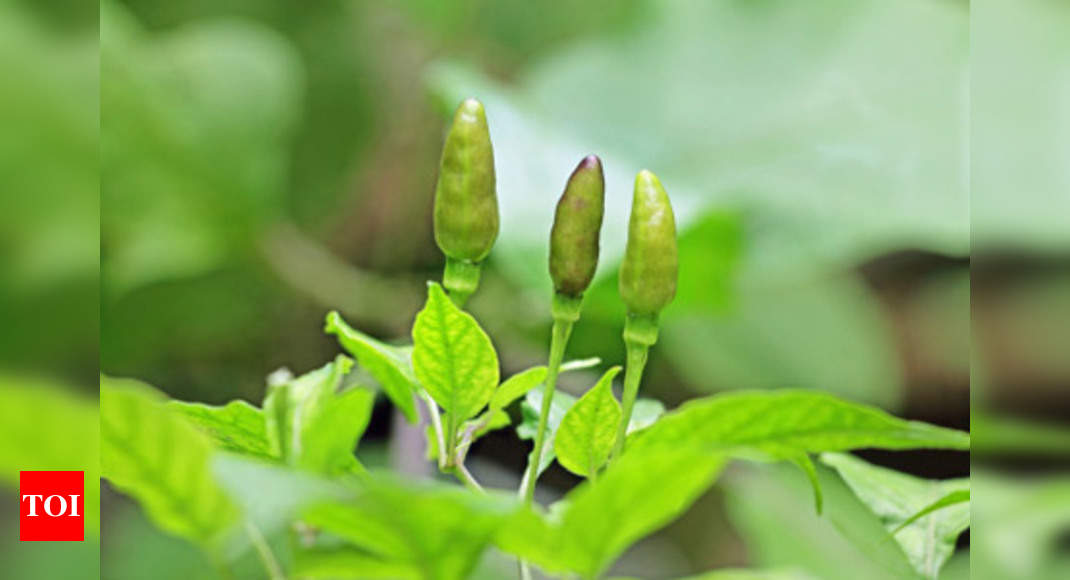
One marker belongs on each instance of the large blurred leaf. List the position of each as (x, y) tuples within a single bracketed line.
[(280, 492), (897, 498), (637, 495), (45, 426), (436, 530), (744, 574), (770, 509), (837, 126), (151, 453), (786, 424), (236, 426), (1020, 525)]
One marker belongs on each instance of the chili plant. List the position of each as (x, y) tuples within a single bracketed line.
[(282, 481)]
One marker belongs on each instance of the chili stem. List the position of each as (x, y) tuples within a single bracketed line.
[(559, 339), (640, 333), (633, 374)]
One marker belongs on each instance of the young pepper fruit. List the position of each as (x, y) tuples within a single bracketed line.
[(573, 260), (577, 224), (647, 283), (648, 273), (466, 205)]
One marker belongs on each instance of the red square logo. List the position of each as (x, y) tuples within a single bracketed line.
[(52, 506)]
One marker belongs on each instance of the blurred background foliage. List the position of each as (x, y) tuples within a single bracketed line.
[(264, 155), (832, 164)]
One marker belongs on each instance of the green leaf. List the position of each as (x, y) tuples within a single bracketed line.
[(47, 426), (952, 498), (770, 508), (529, 423), (453, 358), (154, 455), (788, 425), (439, 530), (588, 430), (517, 386), (896, 498), (513, 388), (345, 563), (279, 421), (330, 438), (1020, 525), (523, 382), (636, 495), (804, 463), (237, 426), (388, 364), (1004, 435), (271, 495), (292, 406), (784, 424), (745, 574), (310, 426)]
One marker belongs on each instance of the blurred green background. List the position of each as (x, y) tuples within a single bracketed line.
[(265, 161), (832, 164)]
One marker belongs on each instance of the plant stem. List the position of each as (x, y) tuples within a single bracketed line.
[(451, 439), (436, 424), (566, 311), (466, 478), (633, 373), (461, 278), (267, 558), (640, 333)]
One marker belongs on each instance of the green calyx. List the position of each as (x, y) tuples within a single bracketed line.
[(577, 225), (648, 273), (466, 205)]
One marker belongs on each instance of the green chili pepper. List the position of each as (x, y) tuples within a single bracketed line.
[(573, 259), (647, 283), (648, 273), (466, 206), (577, 224)]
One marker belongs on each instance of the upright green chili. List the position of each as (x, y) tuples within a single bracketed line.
[(573, 260), (577, 225), (647, 282), (466, 205)]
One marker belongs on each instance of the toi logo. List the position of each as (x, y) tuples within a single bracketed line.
[(52, 505)]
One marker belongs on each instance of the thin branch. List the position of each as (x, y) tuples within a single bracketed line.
[(271, 564), (466, 477), (436, 424)]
